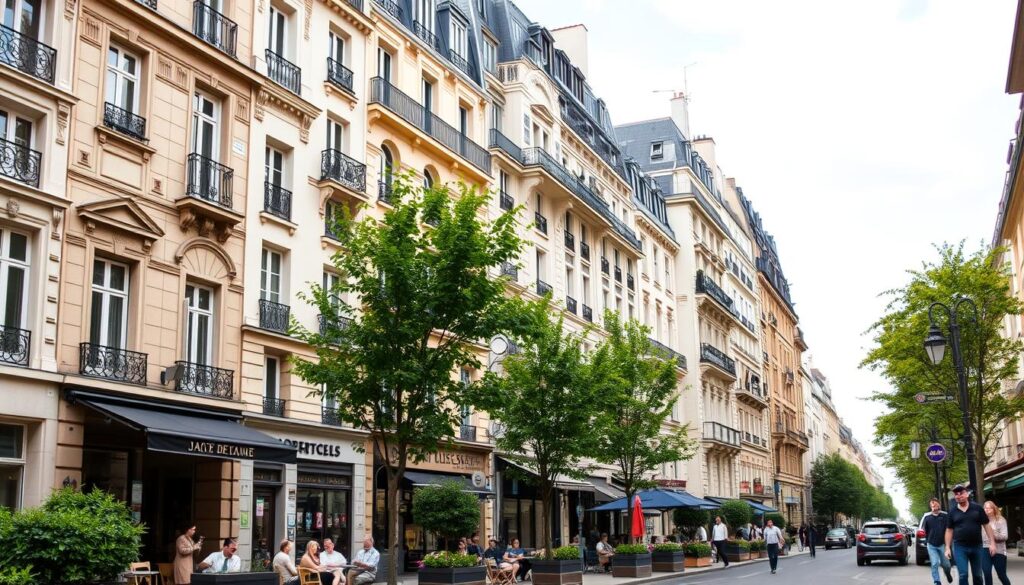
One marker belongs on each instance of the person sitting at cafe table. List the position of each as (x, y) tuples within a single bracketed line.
[(311, 561), (284, 566), (515, 554), (223, 561), (494, 553), (365, 562), (605, 552), (332, 561)]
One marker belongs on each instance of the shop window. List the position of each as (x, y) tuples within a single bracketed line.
[(12, 464)]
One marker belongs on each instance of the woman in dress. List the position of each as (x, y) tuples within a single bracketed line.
[(184, 548)]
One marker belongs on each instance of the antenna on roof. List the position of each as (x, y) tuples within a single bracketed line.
[(680, 103)]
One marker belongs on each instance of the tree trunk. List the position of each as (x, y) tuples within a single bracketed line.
[(545, 517), (979, 471), (629, 514), (394, 477)]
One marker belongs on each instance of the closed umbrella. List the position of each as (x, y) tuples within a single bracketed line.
[(637, 530)]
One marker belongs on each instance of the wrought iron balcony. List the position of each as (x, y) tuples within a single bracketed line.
[(588, 314), (510, 270), (541, 222), (505, 201), (505, 144), (585, 251), (710, 354), (274, 316), (340, 75), (20, 163), (618, 274), (709, 287), (570, 241), (408, 109), (206, 380), (15, 345), (467, 432), (209, 180), (384, 191), (604, 265), (214, 28), (459, 61), (663, 351), (720, 433), (112, 363), (630, 284), (27, 55), (124, 121), (390, 7), (338, 166), (273, 406), (570, 305), (426, 35), (543, 288), (151, 4), (331, 326), (277, 201), (329, 416), (284, 72)]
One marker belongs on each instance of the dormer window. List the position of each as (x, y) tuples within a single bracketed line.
[(657, 150)]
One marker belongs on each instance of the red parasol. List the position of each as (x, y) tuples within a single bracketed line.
[(637, 530)]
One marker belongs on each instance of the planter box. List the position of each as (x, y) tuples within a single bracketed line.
[(453, 576), (631, 565), (697, 562), (762, 554), (736, 554), (668, 562), (557, 572)]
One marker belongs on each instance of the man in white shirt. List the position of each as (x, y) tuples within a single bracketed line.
[(773, 539), (223, 561), (332, 561), (365, 561), (719, 535), (702, 533)]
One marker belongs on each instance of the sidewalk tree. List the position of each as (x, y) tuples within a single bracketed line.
[(736, 514), (413, 300), (636, 392), (446, 510), (990, 359), (836, 487)]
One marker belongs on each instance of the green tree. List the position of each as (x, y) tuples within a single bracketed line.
[(836, 487), (990, 360), (446, 510), (689, 519), (637, 393), (546, 403), (736, 514), (412, 302), (777, 519)]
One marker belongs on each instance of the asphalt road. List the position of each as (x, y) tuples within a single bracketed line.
[(834, 567)]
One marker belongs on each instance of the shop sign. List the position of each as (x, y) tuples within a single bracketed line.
[(313, 450), (672, 483), (449, 461), (217, 449), (325, 479)]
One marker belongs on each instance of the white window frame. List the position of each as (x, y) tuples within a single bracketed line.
[(384, 63), (118, 76), (497, 112), (36, 28), (270, 277), (458, 38), (6, 264), (108, 292), (527, 130), (10, 131), (273, 167), (194, 313), (277, 31), (203, 123), (336, 47), (425, 12), (657, 150), (490, 55), (335, 135), (17, 462)]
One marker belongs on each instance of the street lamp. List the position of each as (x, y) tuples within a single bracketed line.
[(935, 345)]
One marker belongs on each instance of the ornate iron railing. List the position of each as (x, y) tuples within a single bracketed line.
[(510, 270), (329, 416), (585, 250), (505, 201), (205, 380), (20, 163), (384, 191), (570, 304), (15, 345), (277, 201), (284, 72), (214, 28), (209, 180), (27, 55), (709, 287), (340, 75), (390, 7), (124, 121), (604, 265), (112, 363), (357, 4), (459, 61), (541, 222), (712, 355), (588, 314), (618, 274), (467, 432), (661, 350), (273, 406), (630, 283), (570, 241), (151, 4), (274, 316), (338, 166), (426, 35), (504, 143), (543, 288), (714, 431)]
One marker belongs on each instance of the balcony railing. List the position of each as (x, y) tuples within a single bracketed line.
[(585, 251), (112, 363), (330, 325), (630, 284), (274, 316), (510, 270), (340, 75), (661, 350), (570, 241), (618, 274), (588, 314), (543, 288), (273, 406), (714, 431), (459, 61), (411, 111), (214, 28), (206, 380), (712, 355), (20, 163), (15, 345), (426, 35), (284, 72), (329, 416), (151, 4), (709, 287), (338, 166), (505, 144), (570, 304), (124, 121), (541, 222), (27, 54), (384, 191), (505, 201), (209, 180), (604, 265), (277, 201), (467, 432)]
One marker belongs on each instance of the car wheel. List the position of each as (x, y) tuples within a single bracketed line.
[(860, 562)]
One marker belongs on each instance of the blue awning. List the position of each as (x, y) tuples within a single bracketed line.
[(760, 508), (659, 499)]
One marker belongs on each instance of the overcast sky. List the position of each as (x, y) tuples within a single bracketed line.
[(863, 132)]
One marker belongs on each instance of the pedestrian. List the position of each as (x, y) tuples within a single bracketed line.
[(934, 525), (184, 549), (802, 536), (998, 560), (966, 521), (773, 539), (702, 534), (811, 535), (719, 536)]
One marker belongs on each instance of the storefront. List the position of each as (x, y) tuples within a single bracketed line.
[(1005, 485), (520, 506)]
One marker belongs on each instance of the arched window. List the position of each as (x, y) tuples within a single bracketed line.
[(428, 179), (387, 162)]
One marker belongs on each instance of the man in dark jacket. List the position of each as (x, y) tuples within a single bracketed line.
[(934, 526), (966, 522)]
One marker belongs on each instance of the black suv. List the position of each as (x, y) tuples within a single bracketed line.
[(881, 541)]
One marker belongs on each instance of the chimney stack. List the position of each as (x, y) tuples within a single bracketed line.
[(680, 112)]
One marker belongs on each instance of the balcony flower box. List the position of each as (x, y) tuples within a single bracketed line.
[(631, 560), (698, 554), (668, 558)]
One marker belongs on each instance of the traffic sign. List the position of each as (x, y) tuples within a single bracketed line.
[(936, 453), (919, 398), (922, 398)]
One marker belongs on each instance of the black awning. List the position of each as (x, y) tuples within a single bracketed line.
[(189, 431), (420, 478)]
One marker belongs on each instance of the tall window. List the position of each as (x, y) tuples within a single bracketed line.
[(12, 463), (497, 112), (383, 64), (428, 179), (527, 129), (274, 166), (386, 166), (205, 123), (330, 281), (24, 16), (458, 39), (199, 327), (122, 79), (271, 378), (109, 320), (503, 181), (14, 128), (490, 55), (277, 31), (463, 121), (427, 95), (270, 276), (336, 47), (424, 12), (335, 135), (14, 266)]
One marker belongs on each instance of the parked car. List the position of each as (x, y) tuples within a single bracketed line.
[(837, 537), (881, 541)]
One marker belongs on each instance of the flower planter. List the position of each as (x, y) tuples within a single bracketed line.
[(557, 572), (762, 554), (667, 561), (624, 565), (453, 576), (697, 562), (735, 554)]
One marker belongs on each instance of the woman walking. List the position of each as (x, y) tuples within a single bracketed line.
[(999, 531)]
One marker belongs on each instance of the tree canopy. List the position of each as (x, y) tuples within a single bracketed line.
[(839, 487)]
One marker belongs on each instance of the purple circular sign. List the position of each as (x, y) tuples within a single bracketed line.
[(936, 453)]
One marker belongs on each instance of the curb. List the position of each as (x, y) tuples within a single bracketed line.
[(701, 571)]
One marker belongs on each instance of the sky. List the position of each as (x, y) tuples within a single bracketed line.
[(863, 132)]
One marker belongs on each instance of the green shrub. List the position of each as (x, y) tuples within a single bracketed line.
[(790, 540), (735, 513), (698, 549), (445, 510), (16, 576), (631, 549), (448, 560), (758, 545), (740, 544), (567, 553), (668, 547), (778, 519)]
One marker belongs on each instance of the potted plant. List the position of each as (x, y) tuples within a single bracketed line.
[(667, 557), (737, 550), (758, 549), (697, 554), (449, 568), (631, 560), (564, 568)]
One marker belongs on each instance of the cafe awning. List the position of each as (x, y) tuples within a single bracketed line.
[(660, 499), (561, 482), (603, 491), (420, 479), (760, 508), (185, 430)]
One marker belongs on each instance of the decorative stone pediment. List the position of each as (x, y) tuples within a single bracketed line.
[(122, 215)]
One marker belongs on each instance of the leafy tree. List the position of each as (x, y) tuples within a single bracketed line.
[(990, 360), (546, 402), (837, 486), (689, 518), (413, 301), (777, 519), (637, 393), (446, 510), (735, 514)]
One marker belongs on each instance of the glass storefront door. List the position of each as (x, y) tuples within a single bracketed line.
[(323, 509)]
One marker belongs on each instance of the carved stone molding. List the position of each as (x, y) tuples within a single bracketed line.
[(13, 208), (309, 16), (63, 115)]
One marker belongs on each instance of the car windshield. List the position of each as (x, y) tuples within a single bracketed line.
[(881, 529), (837, 532)]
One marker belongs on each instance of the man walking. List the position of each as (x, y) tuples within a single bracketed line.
[(719, 534), (934, 525), (966, 521), (812, 534), (773, 539)]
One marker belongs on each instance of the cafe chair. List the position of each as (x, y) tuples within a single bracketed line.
[(499, 576), (166, 573), (308, 576), (140, 579)]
